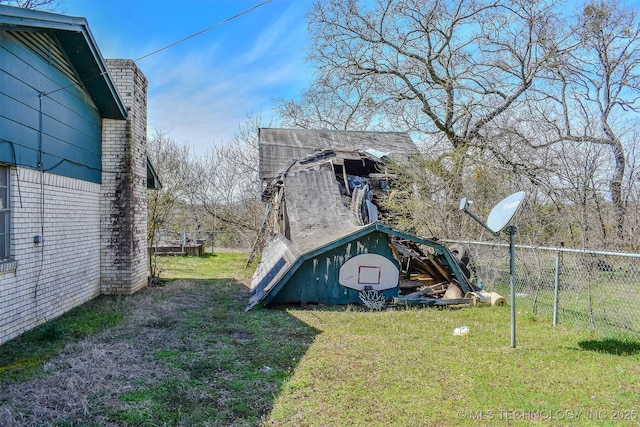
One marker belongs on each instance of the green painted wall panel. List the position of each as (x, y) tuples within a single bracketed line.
[(11, 109), (65, 167), (68, 115), (21, 138), (316, 280)]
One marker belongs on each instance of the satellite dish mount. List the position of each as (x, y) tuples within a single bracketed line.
[(498, 220)]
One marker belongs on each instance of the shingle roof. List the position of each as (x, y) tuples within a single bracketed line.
[(280, 147), (315, 210)]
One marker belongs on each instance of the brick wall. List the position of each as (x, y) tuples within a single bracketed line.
[(124, 186), (61, 272), (93, 237)]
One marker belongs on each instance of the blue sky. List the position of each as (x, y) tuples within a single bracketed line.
[(201, 90)]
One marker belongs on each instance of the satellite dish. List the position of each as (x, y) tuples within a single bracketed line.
[(499, 217), (503, 212)]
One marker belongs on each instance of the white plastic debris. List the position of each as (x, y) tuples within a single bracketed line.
[(461, 331)]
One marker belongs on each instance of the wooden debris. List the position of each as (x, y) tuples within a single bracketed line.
[(427, 281), (422, 275)]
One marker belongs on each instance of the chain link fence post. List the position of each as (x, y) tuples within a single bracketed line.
[(592, 290)]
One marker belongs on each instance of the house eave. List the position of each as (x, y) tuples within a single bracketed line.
[(153, 180), (78, 43)]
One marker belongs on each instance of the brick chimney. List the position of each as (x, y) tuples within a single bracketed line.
[(123, 224)]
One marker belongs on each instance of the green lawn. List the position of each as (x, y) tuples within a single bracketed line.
[(406, 368), (202, 360)]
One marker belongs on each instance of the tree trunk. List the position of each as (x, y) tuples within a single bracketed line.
[(615, 184)]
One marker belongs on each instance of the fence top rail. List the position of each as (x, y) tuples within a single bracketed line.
[(546, 248)]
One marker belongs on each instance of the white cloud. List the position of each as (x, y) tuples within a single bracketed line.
[(201, 95), (283, 36)]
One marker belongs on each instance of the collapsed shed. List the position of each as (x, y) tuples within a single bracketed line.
[(325, 244)]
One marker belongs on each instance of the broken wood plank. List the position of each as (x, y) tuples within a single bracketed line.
[(439, 267), (419, 294), (401, 250), (424, 266), (405, 284), (406, 302), (423, 277), (441, 284)]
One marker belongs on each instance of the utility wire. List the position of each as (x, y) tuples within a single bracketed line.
[(204, 31), (244, 12)]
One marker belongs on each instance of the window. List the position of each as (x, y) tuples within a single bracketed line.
[(5, 214)]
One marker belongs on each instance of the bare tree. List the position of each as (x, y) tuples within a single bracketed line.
[(443, 70), (599, 84), (227, 187), (580, 187), (172, 164), (330, 105), (632, 192), (33, 4)]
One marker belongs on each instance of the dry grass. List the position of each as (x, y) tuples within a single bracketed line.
[(101, 367), (184, 353)]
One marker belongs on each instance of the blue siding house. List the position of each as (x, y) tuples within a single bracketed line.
[(55, 92), (73, 169)]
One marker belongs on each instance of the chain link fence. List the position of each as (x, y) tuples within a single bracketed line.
[(594, 290)]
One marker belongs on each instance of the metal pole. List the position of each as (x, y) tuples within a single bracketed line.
[(556, 289), (479, 221), (512, 272)]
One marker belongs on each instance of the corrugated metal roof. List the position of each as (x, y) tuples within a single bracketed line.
[(79, 46), (279, 147)]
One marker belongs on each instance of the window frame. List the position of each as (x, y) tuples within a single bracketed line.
[(5, 213)]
